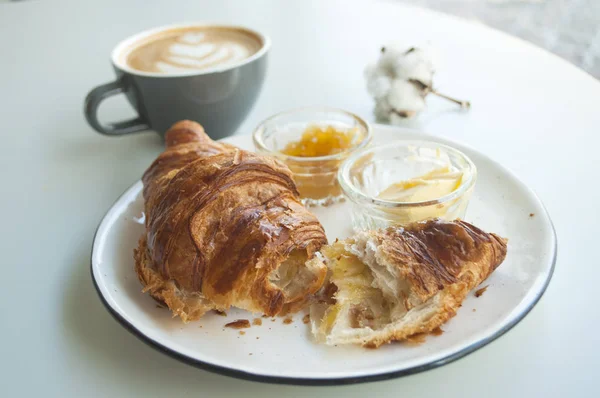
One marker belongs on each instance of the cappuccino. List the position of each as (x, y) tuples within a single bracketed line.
[(189, 49)]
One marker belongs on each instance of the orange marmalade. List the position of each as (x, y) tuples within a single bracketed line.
[(320, 141), (317, 180)]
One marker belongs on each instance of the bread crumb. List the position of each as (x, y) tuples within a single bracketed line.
[(479, 292), (306, 319), (437, 331), (257, 337), (474, 310), (249, 353), (287, 321), (238, 324), (257, 321), (242, 332), (273, 320), (221, 313), (531, 214), (200, 326), (417, 338)]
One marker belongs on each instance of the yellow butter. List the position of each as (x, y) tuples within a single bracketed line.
[(431, 186)]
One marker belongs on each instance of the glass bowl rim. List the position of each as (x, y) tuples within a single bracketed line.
[(257, 135), (352, 192)]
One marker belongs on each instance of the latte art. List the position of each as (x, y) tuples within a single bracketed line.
[(192, 49)]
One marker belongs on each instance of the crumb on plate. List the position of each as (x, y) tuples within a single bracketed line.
[(238, 324), (479, 292)]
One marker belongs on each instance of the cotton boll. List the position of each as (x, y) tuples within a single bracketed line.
[(401, 62), (382, 110), (377, 83), (398, 120), (416, 64), (401, 79), (388, 59), (388, 81), (405, 96), (379, 86)]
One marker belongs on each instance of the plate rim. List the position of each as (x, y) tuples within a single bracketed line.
[(332, 381)]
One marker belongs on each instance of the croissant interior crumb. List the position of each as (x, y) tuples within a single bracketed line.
[(292, 276), (371, 296), (364, 298)]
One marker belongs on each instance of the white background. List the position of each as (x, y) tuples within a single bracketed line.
[(533, 112)]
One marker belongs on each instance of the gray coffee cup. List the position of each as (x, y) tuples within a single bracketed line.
[(218, 98)]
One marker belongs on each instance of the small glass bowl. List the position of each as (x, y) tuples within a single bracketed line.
[(365, 174), (315, 177)]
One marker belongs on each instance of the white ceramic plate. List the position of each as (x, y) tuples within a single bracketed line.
[(284, 353)]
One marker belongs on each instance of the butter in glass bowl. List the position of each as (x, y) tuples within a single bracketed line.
[(407, 181), (313, 142)]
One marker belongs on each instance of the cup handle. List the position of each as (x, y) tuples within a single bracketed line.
[(93, 100)]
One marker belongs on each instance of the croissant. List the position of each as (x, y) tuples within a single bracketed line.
[(390, 284), (224, 227)]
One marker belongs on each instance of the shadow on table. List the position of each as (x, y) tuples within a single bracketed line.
[(429, 115), (111, 354)]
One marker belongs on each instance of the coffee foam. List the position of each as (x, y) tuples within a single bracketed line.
[(183, 50)]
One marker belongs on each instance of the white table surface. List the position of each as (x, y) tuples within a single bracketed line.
[(533, 112)]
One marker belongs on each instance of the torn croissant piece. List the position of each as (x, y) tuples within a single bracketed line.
[(390, 284), (224, 227)]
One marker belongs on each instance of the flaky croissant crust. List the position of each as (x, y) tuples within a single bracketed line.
[(425, 268), (434, 254), (220, 221)]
